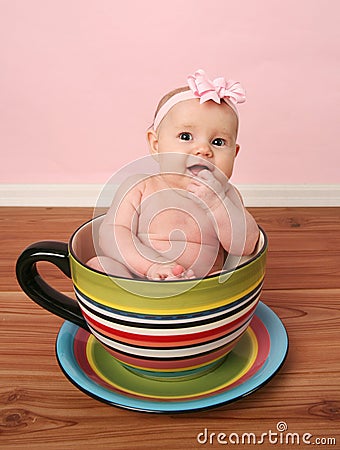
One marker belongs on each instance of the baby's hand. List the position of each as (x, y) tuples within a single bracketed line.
[(168, 271), (207, 189)]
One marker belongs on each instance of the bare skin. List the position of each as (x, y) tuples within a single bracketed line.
[(180, 223)]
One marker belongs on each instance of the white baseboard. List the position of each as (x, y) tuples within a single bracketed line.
[(49, 194), (86, 195), (317, 195)]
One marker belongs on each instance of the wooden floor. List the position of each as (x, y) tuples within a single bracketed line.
[(40, 409)]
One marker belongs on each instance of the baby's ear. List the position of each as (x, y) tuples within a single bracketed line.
[(237, 149), (152, 140)]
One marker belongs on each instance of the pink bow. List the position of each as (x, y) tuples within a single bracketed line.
[(215, 90)]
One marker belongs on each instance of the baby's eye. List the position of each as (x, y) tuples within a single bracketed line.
[(185, 136), (219, 142)]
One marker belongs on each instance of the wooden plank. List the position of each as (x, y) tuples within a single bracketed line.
[(306, 219), (306, 241), (302, 270)]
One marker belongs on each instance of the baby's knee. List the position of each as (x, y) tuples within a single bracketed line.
[(95, 264)]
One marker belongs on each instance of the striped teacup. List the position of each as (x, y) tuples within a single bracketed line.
[(170, 329)]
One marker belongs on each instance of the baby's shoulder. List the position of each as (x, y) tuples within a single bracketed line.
[(136, 189), (132, 185), (127, 197)]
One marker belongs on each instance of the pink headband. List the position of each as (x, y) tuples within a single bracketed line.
[(201, 87)]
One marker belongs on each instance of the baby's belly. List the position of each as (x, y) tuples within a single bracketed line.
[(202, 258), (182, 237)]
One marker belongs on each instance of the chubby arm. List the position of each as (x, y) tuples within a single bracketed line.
[(118, 237), (118, 233), (241, 234), (236, 228)]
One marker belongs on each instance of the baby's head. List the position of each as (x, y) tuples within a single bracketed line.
[(199, 120)]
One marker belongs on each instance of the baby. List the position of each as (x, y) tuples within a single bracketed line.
[(182, 222)]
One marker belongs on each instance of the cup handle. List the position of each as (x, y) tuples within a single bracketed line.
[(39, 290)]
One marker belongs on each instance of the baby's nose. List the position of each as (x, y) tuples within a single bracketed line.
[(203, 149)]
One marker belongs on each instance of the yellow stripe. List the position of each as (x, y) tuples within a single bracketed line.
[(182, 310)]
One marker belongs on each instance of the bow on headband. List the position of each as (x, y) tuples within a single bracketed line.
[(201, 87), (215, 90)]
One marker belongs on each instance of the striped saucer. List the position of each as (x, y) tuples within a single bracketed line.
[(253, 362)]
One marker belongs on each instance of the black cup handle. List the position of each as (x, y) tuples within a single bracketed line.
[(41, 292)]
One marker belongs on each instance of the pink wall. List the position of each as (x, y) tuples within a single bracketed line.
[(79, 81)]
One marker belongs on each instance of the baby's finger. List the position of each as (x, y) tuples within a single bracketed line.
[(195, 183), (193, 188)]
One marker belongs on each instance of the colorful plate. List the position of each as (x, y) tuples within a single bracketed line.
[(254, 361)]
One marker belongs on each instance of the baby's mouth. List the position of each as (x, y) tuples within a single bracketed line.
[(195, 169)]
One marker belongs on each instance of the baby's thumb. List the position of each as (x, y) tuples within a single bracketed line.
[(205, 175)]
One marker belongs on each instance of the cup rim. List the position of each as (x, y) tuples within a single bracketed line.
[(138, 280)]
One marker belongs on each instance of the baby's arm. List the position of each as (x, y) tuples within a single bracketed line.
[(235, 226), (118, 232), (118, 237), (243, 239)]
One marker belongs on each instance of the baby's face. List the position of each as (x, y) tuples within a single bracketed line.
[(202, 135)]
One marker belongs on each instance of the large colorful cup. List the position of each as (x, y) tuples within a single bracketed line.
[(158, 328)]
